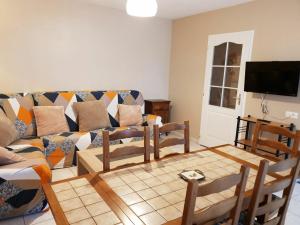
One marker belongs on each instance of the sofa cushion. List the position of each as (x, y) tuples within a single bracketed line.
[(111, 100), (18, 108), (60, 150), (50, 120), (8, 157), (130, 115), (92, 115), (26, 145), (8, 132)]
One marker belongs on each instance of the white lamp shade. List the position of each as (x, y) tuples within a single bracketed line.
[(141, 8)]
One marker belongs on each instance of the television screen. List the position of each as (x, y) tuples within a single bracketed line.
[(278, 78)]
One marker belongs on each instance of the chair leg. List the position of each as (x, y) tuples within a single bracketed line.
[(156, 141), (186, 137)]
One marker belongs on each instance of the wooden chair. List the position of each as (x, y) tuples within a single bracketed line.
[(218, 212), (125, 150), (263, 203), (169, 127), (273, 144)]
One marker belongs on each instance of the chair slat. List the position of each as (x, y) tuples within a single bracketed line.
[(125, 150), (275, 145), (169, 127), (215, 211), (283, 165), (128, 133), (273, 221), (276, 186), (278, 130), (271, 207), (220, 185), (170, 142), (229, 208)]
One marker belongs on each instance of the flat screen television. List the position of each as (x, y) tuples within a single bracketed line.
[(277, 78)]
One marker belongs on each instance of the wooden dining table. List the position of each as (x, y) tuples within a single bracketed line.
[(148, 193)]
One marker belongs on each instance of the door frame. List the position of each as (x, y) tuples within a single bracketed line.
[(208, 69)]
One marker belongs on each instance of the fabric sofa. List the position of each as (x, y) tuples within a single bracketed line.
[(21, 190), (57, 150)]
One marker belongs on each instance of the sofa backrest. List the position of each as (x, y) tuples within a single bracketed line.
[(18, 108), (20, 111), (110, 98)]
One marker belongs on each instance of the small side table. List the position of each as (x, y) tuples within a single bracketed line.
[(158, 107)]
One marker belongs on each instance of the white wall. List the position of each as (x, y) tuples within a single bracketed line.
[(77, 45)]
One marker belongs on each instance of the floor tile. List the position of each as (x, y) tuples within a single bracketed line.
[(13, 221), (107, 219), (47, 222), (38, 217), (153, 219)]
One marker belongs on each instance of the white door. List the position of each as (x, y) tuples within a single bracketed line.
[(223, 97)]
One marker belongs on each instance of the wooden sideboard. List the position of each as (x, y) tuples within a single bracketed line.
[(158, 107)]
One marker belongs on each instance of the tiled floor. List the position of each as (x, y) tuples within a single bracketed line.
[(293, 217)]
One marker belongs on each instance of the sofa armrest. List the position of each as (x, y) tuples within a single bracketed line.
[(21, 189), (150, 120)]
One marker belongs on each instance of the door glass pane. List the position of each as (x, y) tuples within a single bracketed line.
[(215, 96), (232, 77), (219, 54), (229, 98), (234, 54), (217, 76)]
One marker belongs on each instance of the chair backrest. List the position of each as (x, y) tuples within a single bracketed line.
[(273, 144), (262, 202), (125, 150), (169, 127), (218, 212)]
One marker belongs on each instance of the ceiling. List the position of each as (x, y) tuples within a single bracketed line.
[(174, 9)]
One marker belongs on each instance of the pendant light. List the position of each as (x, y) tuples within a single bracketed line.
[(141, 8)]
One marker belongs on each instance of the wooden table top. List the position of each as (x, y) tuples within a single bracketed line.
[(149, 193)]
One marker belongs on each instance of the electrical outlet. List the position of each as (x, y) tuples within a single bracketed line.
[(292, 115)]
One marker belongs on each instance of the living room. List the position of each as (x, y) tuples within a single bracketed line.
[(183, 66)]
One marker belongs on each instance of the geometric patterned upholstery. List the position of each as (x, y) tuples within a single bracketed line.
[(18, 108), (21, 190), (60, 150), (110, 98)]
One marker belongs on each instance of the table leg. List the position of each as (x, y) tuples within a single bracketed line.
[(81, 170)]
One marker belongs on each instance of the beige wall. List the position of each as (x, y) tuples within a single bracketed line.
[(71, 44), (277, 37)]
